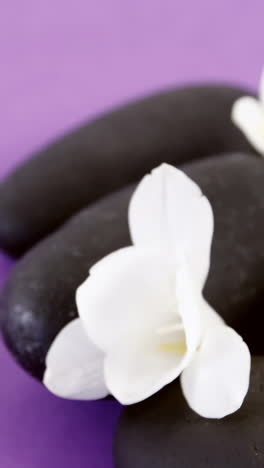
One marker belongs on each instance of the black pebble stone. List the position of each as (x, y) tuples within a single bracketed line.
[(176, 126), (163, 432), (39, 297)]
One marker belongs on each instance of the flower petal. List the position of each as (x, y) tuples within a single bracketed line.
[(169, 211), (142, 364), (138, 368), (129, 290), (209, 317), (248, 115), (75, 365), (217, 379), (188, 303)]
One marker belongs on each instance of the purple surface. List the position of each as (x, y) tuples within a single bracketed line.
[(62, 62)]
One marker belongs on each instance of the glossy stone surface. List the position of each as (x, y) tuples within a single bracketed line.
[(177, 126), (39, 298), (164, 432)]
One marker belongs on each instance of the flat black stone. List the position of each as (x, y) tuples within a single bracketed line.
[(176, 126), (39, 298), (163, 432)]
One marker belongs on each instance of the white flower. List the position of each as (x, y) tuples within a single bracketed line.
[(143, 320), (248, 115)]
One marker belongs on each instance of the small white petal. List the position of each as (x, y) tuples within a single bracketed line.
[(170, 328), (142, 364), (210, 318), (75, 365), (129, 290), (138, 368), (169, 211), (188, 299), (217, 379), (248, 115)]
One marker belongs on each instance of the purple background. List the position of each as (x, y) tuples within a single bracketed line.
[(61, 62)]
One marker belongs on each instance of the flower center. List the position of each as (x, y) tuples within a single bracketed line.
[(179, 348), (173, 339)]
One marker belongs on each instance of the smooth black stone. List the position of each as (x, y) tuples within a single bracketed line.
[(39, 297), (175, 126), (163, 432)]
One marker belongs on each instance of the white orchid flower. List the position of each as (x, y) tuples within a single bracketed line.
[(248, 115), (143, 320)]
